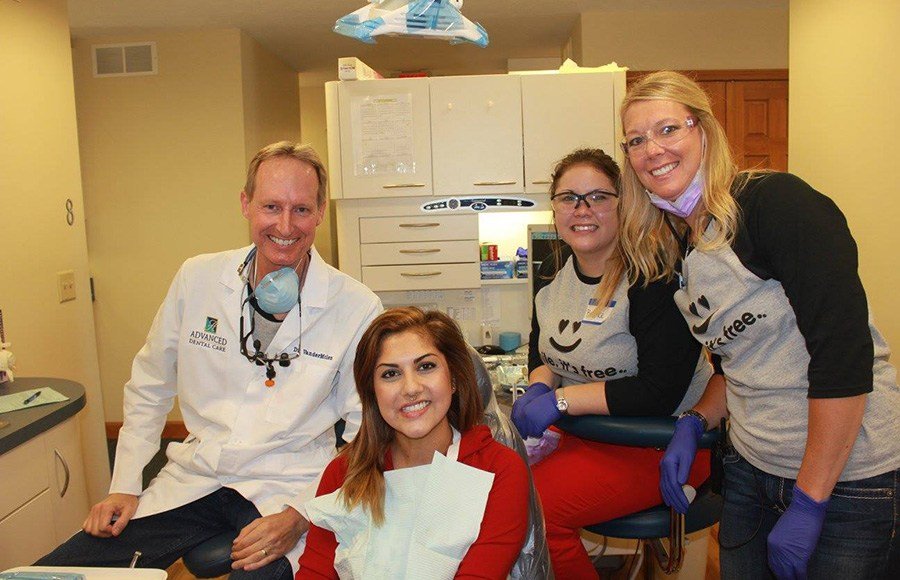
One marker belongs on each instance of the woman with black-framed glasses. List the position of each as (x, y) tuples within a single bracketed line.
[(770, 286), (599, 345)]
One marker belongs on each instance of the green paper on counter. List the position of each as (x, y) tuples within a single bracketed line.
[(30, 398)]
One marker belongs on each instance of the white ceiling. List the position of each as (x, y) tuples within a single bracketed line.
[(300, 31)]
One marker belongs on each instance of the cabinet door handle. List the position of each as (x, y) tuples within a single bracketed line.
[(66, 469), (426, 251), (510, 182), (419, 274), (541, 182), (421, 225), (396, 185)]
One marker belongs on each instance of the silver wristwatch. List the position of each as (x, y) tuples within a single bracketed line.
[(562, 405), (699, 415)]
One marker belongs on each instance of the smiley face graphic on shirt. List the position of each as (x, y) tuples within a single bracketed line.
[(573, 342)]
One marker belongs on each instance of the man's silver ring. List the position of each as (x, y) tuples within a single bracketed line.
[(264, 552)]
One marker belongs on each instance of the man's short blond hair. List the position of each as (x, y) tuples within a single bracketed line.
[(297, 151)]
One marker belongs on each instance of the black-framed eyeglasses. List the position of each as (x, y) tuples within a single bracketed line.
[(597, 200), (665, 134)]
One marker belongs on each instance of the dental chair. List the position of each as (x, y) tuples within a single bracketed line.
[(534, 561), (212, 558), (652, 525)]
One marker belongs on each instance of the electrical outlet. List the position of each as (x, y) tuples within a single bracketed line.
[(65, 282)]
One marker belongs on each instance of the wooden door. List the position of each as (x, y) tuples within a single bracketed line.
[(757, 123), (717, 91)]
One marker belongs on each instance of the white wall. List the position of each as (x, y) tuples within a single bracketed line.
[(683, 38), (39, 171), (844, 87), (164, 159)]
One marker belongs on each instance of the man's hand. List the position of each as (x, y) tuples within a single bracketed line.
[(266, 539), (100, 520)]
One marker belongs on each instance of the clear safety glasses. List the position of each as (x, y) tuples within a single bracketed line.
[(665, 134)]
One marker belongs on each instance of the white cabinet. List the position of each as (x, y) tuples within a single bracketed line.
[(65, 469), (561, 113), (385, 146), (476, 133), (44, 496), (419, 252)]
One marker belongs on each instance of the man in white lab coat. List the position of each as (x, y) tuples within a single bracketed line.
[(258, 345)]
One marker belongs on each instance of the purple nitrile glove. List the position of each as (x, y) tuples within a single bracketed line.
[(538, 414), (518, 408), (676, 463), (795, 535)]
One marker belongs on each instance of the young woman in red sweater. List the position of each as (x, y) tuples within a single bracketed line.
[(423, 490)]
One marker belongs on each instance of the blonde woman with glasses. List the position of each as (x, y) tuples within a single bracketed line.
[(600, 345), (769, 284)]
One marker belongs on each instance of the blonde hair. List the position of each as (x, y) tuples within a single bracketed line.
[(303, 153), (650, 248), (364, 483), (614, 268)]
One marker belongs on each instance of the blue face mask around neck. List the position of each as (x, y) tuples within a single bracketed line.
[(277, 292)]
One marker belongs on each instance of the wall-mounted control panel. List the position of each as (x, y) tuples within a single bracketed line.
[(480, 203)]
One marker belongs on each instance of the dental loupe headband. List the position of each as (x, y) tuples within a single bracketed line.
[(259, 357)]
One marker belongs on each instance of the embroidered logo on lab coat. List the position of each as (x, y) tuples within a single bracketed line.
[(207, 338)]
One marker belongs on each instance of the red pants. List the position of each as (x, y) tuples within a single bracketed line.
[(583, 483)]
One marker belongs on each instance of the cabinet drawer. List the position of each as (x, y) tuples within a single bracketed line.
[(425, 277), (27, 533), (418, 228), (23, 475), (418, 253)]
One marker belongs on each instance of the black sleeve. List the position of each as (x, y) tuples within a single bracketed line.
[(802, 238), (667, 355), (534, 357), (544, 277)]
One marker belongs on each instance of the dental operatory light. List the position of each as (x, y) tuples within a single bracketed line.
[(439, 19)]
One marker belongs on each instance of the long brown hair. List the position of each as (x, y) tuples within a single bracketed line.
[(364, 483), (615, 266)]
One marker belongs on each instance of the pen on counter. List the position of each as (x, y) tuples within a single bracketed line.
[(31, 398)]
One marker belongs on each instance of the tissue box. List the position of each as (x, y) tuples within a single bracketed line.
[(496, 269)]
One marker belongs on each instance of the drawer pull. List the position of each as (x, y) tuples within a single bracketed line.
[(398, 185), (421, 225), (65, 465), (486, 183), (428, 251), (541, 182), (419, 274)]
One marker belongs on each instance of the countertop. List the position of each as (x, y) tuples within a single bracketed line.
[(26, 424)]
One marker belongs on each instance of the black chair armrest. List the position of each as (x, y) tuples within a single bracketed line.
[(631, 431)]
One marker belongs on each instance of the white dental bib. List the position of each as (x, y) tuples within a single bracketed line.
[(432, 515)]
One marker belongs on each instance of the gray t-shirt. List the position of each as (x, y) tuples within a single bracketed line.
[(639, 344), (784, 312)]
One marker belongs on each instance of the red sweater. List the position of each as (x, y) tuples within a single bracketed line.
[(503, 527)]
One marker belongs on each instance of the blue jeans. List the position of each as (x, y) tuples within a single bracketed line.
[(164, 537), (859, 539)]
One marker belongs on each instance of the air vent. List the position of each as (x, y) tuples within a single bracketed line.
[(135, 58)]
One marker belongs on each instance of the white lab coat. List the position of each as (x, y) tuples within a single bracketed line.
[(269, 444)]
